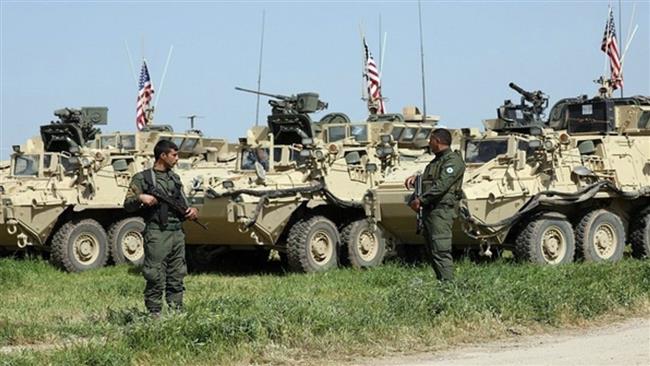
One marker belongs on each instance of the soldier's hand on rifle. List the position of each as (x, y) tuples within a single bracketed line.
[(409, 183), (148, 200), (191, 213), (415, 204)]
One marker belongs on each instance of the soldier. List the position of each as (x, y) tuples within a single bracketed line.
[(164, 239), (441, 183)]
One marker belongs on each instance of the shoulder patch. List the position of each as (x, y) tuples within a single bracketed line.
[(449, 170)]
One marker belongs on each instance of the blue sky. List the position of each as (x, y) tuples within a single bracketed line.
[(55, 54)]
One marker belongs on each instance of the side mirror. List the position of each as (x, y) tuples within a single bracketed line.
[(260, 172)]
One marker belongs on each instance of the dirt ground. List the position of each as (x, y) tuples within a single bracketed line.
[(625, 343)]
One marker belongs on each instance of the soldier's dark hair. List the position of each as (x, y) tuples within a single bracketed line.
[(443, 135), (163, 146)]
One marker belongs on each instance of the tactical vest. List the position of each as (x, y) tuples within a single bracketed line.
[(433, 172), (160, 213)]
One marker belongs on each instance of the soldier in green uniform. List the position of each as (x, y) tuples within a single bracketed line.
[(164, 239), (441, 184)]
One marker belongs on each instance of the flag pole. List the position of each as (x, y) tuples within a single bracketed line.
[(424, 95), (259, 73), (364, 80)]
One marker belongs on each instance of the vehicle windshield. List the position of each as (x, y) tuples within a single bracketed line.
[(26, 165), (360, 132), (254, 155), (482, 151), (128, 142), (109, 142)]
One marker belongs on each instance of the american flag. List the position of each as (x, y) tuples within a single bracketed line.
[(610, 47), (144, 97), (373, 82)]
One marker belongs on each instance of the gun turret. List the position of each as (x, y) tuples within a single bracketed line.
[(528, 113), (73, 129), (538, 99), (300, 103)]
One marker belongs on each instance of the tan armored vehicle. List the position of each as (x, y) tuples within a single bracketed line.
[(546, 189), (579, 184), (64, 191), (299, 187)]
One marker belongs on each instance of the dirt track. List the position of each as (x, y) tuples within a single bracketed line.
[(626, 343)]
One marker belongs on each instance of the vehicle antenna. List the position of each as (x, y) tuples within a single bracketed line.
[(192, 117), (162, 80), (424, 95), (381, 50), (128, 53), (259, 73), (620, 22)]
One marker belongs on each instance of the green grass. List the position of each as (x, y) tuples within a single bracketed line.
[(297, 318)]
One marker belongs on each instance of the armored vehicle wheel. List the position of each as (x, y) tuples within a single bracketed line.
[(126, 241), (366, 247), (640, 235), (80, 245), (546, 239), (312, 245), (600, 236)]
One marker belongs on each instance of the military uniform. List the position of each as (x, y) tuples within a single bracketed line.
[(441, 184), (164, 239)]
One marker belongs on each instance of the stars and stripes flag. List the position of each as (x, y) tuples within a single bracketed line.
[(610, 47), (373, 82), (144, 97)]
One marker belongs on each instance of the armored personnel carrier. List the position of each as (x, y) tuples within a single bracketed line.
[(299, 185), (64, 190), (578, 185), (548, 189)]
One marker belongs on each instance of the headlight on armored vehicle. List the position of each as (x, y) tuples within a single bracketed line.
[(549, 145), (534, 144), (227, 184), (564, 138), (318, 154)]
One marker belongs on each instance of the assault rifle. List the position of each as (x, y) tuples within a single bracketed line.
[(176, 205), (419, 223)]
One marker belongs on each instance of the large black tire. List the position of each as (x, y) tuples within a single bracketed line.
[(365, 247), (600, 236), (312, 245), (640, 235), (126, 241), (546, 239), (80, 245)]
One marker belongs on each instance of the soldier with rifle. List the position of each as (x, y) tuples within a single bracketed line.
[(157, 194), (437, 201)]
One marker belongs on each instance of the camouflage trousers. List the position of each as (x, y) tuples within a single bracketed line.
[(164, 268), (438, 224)]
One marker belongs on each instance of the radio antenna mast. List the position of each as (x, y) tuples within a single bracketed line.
[(259, 73), (162, 80), (424, 94)]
